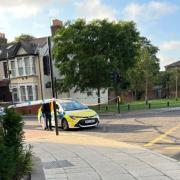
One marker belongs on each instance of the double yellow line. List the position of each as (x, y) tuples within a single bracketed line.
[(163, 137)]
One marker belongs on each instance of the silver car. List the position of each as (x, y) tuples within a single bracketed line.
[(2, 112)]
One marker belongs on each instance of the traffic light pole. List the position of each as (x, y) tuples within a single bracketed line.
[(53, 87)]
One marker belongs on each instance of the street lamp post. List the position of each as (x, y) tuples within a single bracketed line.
[(52, 85)]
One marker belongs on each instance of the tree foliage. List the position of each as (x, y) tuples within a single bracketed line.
[(15, 158), (23, 37), (143, 75), (86, 53)]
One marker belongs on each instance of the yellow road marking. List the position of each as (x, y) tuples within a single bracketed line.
[(162, 137), (167, 140), (173, 148)]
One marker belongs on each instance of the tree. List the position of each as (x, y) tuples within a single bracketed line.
[(164, 79), (86, 53), (174, 77), (142, 76), (23, 37), (16, 160)]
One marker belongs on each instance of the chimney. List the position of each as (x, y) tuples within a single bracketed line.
[(56, 24), (3, 39)]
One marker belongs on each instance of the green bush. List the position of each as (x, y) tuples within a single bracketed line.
[(15, 156)]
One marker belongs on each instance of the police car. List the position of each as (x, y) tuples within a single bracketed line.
[(71, 114)]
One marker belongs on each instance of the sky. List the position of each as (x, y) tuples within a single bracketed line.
[(156, 20)]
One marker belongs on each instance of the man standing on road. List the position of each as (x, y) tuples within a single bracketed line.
[(46, 110)]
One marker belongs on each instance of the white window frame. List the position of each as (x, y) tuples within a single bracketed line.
[(23, 66), (15, 68), (17, 93), (32, 95), (26, 91), (31, 64), (30, 71)]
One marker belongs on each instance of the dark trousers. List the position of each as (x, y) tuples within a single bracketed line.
[(48, 121)]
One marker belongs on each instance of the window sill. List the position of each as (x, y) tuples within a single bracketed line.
[(24, 76)]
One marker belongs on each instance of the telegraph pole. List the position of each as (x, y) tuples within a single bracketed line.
[(52, 86)]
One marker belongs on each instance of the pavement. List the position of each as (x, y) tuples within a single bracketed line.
[(73, 156)]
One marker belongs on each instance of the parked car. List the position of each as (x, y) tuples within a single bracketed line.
[(2, 111), (71, 114)]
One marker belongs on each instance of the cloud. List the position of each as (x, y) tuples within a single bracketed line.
[(165, 60), (150, 11), (24, 8), (170, 45), (54, 12), (19, 8), (94, 9)]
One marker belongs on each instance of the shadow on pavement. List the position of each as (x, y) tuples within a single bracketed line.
[(119, 128)]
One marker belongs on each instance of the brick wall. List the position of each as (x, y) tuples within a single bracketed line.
[(28, 110)]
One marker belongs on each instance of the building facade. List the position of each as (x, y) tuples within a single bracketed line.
[(25, 72)]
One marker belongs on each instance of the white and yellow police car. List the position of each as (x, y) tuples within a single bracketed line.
[(71, 114)]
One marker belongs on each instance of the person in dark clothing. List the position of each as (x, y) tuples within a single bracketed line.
[(47, 112)]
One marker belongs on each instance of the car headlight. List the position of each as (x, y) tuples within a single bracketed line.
[(96, 116)]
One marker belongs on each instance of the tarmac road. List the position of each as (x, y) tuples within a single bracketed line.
[(158, 130)]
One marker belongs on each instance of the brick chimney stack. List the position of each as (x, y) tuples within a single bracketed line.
[(3, 39), (56, 24)]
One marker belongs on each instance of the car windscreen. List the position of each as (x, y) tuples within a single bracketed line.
[(73, 105)]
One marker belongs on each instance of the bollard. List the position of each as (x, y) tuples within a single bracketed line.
[(118, 104), (149, 105), (106, 108), (128, 107), (168, 104)]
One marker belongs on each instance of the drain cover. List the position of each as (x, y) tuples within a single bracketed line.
[(57, 164)]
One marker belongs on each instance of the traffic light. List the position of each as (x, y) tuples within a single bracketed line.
[(115, 77)]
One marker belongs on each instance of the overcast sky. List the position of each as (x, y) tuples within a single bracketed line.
[(157, 20)]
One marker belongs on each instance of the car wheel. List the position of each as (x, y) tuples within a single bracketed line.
[(65, 125)]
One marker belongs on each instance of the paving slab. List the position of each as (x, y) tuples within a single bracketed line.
[(75, 157)]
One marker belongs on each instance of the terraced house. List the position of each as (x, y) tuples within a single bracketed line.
[(25, 72), (22, 71)]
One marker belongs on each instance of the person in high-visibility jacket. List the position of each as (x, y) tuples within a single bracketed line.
[(46, 110)]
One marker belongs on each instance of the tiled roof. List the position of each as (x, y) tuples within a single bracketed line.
[(40, 41), (175, 64), (12, 49)]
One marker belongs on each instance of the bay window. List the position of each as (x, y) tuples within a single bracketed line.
[(13, 68), (20, 63), (30, 93), (23, 93), (27, 66), (36, 92), (33, 62), (15, 94)]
